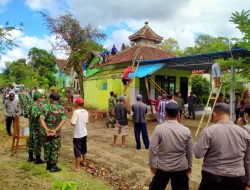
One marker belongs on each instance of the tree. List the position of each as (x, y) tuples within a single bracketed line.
[(77, 40), (201, 88), (44, 63), (6, 41), (171, 44), (205, 43)]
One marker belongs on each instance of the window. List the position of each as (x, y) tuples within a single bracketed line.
[(167, 83)]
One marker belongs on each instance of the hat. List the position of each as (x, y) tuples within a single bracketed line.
[(122, 98), (139, 97), (79, 101), (37, 95), (172, 108)]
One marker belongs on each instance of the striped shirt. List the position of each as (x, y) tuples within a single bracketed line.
[(226, 150), (162, 107)]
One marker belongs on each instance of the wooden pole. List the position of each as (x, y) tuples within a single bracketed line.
[(148, 94)]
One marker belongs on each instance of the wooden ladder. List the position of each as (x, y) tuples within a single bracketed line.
[(211, 97), (17, 136), (157, 86)]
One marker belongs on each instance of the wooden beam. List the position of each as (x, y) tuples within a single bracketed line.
[(148, 94)]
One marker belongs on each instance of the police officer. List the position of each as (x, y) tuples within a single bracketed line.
[(226, 151), (52, 119), (170, 152), (38, 132)]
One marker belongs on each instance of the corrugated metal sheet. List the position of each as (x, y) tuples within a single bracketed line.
[(145, 70)]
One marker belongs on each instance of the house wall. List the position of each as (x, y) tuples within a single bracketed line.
[(96, 91), (62, 78)]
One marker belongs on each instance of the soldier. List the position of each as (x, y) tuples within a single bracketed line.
[(112, 103), (38, 132), (26, 103), (31, 132), (21, 101), (52, 119)]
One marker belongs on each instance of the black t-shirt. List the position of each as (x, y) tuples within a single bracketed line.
[(121, 114)]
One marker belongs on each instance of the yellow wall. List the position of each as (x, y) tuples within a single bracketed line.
[(97, 98)]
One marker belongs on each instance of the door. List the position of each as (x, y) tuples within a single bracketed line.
[(167, 83), (184, 88)]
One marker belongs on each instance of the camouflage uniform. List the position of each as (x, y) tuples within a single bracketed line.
[(52, 114), (111, 119), (31, 132), (26, 104), (38, 132), (21, 102)]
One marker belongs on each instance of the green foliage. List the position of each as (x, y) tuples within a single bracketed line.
[(205, 43), (64, 185), (171, 44), (6, 42), (78, 40), (201, 88)]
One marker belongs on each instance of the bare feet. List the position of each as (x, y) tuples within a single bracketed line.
[(84, 164), (77, 169)]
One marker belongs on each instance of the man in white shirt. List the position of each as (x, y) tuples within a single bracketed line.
[(79, 121)]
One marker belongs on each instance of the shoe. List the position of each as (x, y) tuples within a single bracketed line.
[(48, 166), (54, 168), (38, 160), (31, 158)]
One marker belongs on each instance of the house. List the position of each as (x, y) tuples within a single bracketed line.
[(107, 76), (66, 77)]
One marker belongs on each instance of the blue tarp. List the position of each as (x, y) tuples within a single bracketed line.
[(144, 70)]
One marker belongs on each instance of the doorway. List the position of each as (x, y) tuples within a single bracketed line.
[(143, 90), (184, 88), (167, 83)]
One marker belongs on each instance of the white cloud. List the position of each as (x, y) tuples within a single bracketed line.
[(118, 37), (53, 6), (3, 4)]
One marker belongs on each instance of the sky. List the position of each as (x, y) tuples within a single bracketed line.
[(183, 20)]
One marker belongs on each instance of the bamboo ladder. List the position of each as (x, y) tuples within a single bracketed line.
[(157, 86), (211, 97), (127, 85)]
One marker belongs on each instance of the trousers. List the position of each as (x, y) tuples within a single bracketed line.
[(52, 147), (9, 121), (214, 182), (179, 180), (138, 129)]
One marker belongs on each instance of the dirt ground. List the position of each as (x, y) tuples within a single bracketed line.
[(128, 167)]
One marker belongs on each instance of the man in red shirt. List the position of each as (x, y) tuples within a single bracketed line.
[(155, 103), (125, 79)]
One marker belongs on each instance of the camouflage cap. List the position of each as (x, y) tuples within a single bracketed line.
[(37, 95)]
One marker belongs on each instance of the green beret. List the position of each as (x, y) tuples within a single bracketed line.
[(37, 95)]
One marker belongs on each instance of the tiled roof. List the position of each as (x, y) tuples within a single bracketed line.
[(61, 63), (147, 33), (139, 50)]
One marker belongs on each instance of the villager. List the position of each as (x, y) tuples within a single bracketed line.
[(79, 120), (123, 47), (114, 50), (216, 73), (226, 151), (170, 152), (140, 126), (52, 119), (11, 108), (121, 111), (155, 103), (111, 106), (180, 103), (162, 108), (171, 98), (36, 132), (125, 77), (247, 114), (192, 100)]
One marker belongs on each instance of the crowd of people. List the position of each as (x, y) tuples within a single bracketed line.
[(224, 145), (46, 119)]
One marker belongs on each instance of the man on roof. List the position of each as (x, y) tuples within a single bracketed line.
[(114, 50)]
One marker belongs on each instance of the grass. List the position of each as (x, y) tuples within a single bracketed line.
[(17, 174)]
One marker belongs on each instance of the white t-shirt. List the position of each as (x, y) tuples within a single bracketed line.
[(247, 127), (80, 118)]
